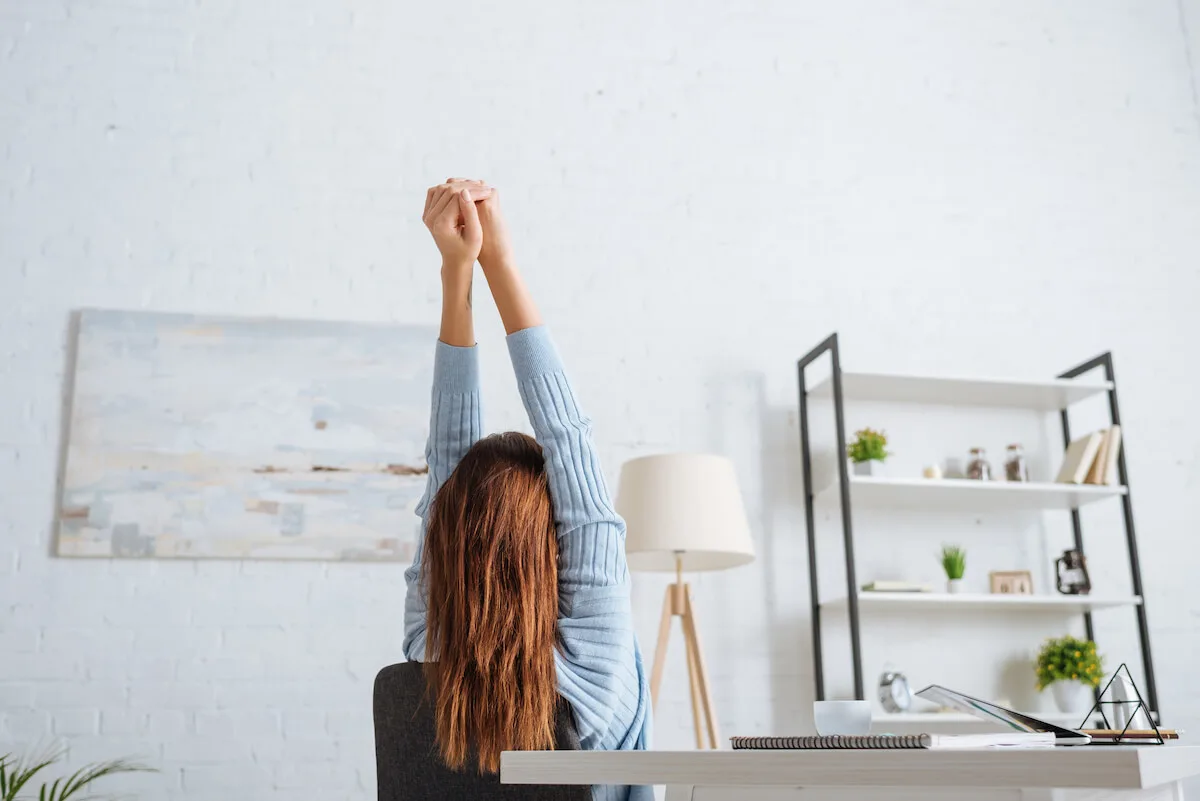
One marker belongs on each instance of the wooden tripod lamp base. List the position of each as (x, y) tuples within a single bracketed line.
[(677, 603)]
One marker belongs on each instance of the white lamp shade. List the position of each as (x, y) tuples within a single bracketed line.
[(683, 505)]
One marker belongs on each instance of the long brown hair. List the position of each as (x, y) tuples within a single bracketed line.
[(491, 569)]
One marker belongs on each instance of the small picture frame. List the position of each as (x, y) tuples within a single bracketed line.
[(1011, 582)]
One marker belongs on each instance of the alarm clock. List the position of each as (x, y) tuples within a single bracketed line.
[(894, 692)]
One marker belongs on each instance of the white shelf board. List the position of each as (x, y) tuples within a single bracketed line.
[(965, 601), (1051, 395), (965, 495), (931, 718)]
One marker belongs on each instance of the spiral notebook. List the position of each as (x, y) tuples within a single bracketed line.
[(873, 742)]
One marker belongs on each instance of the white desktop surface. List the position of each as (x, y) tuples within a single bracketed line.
[(1107, 768)]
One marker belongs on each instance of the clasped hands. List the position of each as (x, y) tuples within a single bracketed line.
[(464, 218)]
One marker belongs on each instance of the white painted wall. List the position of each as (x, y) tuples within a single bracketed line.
[(700, 192)]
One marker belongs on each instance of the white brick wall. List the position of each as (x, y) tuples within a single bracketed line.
[(700, 191)]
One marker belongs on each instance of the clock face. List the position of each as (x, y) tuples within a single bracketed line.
[(894, 693)]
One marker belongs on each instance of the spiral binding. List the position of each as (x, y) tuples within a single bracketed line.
[(863, 741)]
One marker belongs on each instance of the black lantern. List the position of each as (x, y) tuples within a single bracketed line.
[(1073, 576)]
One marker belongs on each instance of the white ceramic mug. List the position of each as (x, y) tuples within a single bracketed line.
[(842, 717)]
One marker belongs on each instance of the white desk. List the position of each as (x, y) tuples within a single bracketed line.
[(1098, 772)]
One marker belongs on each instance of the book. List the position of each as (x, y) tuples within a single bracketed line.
[(874, 742), (1080, 455), (1112, 454), (1095, 474), (1120, 735), (896, 586)]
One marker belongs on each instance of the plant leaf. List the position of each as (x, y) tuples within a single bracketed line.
[(70, 782), (81, 778), (24, 772)]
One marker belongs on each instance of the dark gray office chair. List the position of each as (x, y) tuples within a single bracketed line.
[(407, 763)]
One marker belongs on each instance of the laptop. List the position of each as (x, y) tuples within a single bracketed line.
[(987, 711)]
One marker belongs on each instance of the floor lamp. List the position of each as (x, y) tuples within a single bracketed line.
[(684, 512)]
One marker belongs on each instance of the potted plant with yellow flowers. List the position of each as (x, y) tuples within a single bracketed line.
[(868, 452), (1072, 669)]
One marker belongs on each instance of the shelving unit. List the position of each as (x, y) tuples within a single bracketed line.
[(1043, 396), (964, 495), (972, 602), (1056, 395)]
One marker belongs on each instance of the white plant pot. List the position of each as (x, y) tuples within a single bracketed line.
[(871, 468), (954, 586), (1072, 696)]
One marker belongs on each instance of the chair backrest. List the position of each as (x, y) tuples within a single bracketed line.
[(407, 762)]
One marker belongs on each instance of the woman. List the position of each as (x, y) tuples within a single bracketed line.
[(519, 592)]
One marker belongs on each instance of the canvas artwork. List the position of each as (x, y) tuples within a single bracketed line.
[(204, 437)]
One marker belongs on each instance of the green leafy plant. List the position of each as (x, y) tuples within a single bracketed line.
[(16, 773), (869, 445), (1069, 659), (954, 561)]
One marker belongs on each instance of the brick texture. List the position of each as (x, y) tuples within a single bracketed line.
[(699, 192)]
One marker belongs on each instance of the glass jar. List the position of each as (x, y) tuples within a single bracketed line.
[(978, 467), (1015, 467)]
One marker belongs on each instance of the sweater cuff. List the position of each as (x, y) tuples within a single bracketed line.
[(533, 353), (455, 370)]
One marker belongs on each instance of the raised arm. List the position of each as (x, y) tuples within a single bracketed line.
[(456, 422), (583, 508), (599, 666)]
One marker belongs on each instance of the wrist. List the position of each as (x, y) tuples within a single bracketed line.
[(455, 272), (500, 264)]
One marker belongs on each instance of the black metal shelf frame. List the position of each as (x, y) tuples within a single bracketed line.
[(830, 346)]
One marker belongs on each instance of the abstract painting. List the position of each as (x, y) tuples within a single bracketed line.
[(207, 437)]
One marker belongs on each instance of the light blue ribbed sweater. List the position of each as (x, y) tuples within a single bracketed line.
[(599, 665)]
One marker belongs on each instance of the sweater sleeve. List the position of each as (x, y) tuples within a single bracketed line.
[(600, 670), (456, 423)]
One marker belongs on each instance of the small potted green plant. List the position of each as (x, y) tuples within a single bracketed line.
[(954, 562), (17, 772), (1071, 668), (868, 452)]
